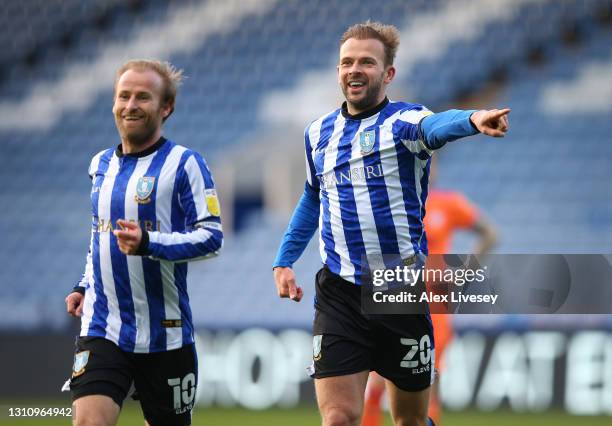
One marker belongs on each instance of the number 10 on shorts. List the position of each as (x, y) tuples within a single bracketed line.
[(423, 347), (183, 391)]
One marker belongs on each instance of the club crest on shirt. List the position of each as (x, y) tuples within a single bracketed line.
[(366, 141), (144, 188), (212, 202), (80, 361), (316, 347)]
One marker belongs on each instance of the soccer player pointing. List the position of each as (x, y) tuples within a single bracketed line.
[(154, 208), (367, 169)]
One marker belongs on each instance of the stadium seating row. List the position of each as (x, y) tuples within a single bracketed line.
[(545, 185)]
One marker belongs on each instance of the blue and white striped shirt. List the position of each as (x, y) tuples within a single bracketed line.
[(372, 174), (141, 302)]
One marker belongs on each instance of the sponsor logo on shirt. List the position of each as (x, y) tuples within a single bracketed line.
[(354, 175), (106, 225)]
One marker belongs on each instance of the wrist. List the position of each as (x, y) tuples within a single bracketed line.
[(275, 267), (143, 247), (474, 126), (78, 289)]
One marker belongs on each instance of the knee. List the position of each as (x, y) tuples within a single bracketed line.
[(92, 418), (340, 416)]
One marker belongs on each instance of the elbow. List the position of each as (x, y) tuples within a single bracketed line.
[(434, 142), (493, 237), (218, 244)]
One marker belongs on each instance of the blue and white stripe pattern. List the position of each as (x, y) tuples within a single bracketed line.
[(141, 302), (372, 173)]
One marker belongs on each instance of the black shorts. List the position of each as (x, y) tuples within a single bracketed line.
[(164, 382), (398, 347)]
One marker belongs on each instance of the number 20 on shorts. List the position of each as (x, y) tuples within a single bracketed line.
[(423, 347)]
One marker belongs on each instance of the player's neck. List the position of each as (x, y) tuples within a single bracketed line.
[(132, 147), (349, 111)]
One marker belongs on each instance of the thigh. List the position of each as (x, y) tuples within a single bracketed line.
[(100, 368), (340, 398), (335, 355), (405, 352), (342, 342), (408, 408), (95, 409), (165, 384)]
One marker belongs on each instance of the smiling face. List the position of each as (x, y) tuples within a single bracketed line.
[(362, 73), (138, 108)]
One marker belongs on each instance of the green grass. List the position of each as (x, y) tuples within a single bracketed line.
[(307, 415)]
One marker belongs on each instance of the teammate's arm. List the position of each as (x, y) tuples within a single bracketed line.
[(203, 237), (74, 301), (76, 298)]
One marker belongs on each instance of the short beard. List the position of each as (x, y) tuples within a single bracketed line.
[(369, 100), (137, 138)]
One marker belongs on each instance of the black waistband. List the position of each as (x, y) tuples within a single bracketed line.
[(338, 281)]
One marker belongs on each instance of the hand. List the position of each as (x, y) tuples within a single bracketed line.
[(74, 304), (284, 279), (128, 237), (493, 122)]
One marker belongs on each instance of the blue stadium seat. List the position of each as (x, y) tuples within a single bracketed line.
[(546, 185)]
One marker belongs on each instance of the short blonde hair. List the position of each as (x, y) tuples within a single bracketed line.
[(387, 34), (171, 76)]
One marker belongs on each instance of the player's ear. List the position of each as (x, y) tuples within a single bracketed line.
[(389, 74), (167, 110)]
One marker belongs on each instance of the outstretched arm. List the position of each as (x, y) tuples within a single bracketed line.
[(493, 122), (438, 129)]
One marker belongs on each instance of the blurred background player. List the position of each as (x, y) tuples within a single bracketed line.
[(154, 208), (446, 213)]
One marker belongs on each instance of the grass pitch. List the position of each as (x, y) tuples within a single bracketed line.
[(308, 415)]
